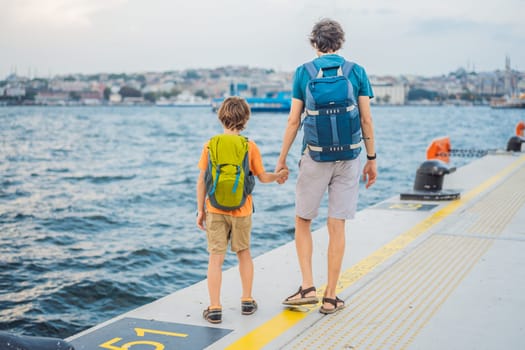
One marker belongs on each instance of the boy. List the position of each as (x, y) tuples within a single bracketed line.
[(234, 226)]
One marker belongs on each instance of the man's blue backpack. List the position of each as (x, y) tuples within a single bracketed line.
[(332, 127)]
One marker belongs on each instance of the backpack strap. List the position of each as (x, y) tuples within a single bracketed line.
[(218, 172), (334, 148), (314, 72), (310, 68), (347, 68), (330, 111), (237, 176)]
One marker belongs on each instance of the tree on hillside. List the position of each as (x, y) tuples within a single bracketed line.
[(174, 92), (107, 93), (422, 94), (201, 93), (30, 93), (150, 96), (191, 75), (127, 91), (75, 96)]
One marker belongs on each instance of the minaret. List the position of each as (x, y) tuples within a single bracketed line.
[(508, 77)]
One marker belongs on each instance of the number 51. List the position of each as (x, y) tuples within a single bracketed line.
[(110, 344)]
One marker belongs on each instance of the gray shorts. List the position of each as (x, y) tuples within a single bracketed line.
[(314, 178)]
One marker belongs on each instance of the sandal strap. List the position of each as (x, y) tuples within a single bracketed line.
[(333, 301), (306, 291), (302, 292)]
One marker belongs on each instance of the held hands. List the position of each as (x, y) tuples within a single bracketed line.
[(283, 176), (283, 172)]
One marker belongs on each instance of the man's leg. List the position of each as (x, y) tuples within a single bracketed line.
[(304, 247), (336, 251), (312, 182)]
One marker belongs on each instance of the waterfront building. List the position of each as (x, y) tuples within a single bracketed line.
[(389, 93)]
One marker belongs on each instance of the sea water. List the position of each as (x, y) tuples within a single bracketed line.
[(97, 204)]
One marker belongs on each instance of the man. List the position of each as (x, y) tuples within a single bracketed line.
[(339, 177)]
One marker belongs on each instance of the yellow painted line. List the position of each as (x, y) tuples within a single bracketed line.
[(267, 332)]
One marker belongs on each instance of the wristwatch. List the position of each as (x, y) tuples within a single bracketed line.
[(372, 157)]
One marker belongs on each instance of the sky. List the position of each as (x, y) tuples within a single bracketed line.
[(43, 38)]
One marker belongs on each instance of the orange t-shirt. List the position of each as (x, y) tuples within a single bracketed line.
[(256, 167)]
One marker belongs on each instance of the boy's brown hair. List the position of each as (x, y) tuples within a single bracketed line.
[(234, 113)]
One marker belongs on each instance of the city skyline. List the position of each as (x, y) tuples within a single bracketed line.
[(50, 37)]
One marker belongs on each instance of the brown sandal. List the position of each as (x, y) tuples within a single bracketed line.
[(213, 315), (335, 303), (248, 306), (303, 300)]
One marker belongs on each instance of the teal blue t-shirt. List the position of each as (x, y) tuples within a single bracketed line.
[(358, 77)]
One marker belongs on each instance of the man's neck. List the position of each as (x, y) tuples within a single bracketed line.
[(319, 53)]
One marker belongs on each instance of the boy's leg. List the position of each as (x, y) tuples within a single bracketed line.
[(246, 272), (215, 278), (240, 244), (248, 304), (217, 229)]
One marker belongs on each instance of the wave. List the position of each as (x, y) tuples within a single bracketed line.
[(80, 224), (101, 179), (72, 307)]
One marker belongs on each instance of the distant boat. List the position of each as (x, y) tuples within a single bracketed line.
[(272, 102), (185, 99), (181, 104), (509, 102)]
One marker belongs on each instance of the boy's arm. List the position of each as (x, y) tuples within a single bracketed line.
[(271, 177), (257, 168), (201, 198)]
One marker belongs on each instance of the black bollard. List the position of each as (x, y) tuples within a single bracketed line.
[(428, 184), (514, 144), (430, 175)]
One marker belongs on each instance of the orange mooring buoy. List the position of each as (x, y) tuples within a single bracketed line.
[(519, 128), (439, 149)]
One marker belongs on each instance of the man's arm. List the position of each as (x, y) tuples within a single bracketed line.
[(367, 128), (294, 122)]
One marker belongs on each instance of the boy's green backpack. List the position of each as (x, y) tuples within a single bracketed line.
[(228, 178)]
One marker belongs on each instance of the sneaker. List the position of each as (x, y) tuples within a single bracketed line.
[(248, 306)]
